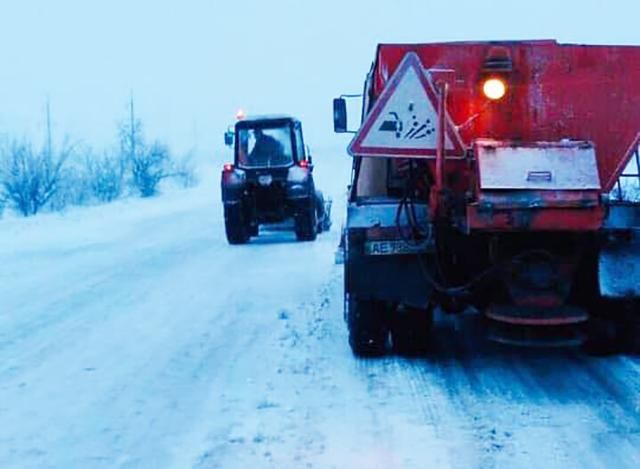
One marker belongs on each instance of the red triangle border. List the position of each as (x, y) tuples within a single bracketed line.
[(410, 60)]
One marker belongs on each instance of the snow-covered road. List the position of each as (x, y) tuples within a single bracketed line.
[(132, 335)]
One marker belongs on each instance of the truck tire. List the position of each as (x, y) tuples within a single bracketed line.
[(630, 328), (235, 225), (634, 341), (368, 329), (603, 337), (306, 222), (614, 328), (411, 331)]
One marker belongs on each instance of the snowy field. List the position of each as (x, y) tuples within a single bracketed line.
[(132, 335)]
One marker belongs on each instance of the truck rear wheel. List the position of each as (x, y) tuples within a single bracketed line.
[(411, 330), (614, 328), (629, 327), (306, 223), (368, 329), (634, 339), (235, 224)]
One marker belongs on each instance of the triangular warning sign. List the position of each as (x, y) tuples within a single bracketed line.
[(403, 121)]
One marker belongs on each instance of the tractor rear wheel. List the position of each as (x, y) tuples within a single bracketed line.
[(235, 225), (306, 222)]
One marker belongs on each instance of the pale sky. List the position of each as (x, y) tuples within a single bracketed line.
[(191, 64)]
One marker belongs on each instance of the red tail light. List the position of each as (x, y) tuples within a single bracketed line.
[(303, 164), (228, 167)]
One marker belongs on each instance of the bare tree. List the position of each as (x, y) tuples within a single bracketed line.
[(105, 176), (131, 135), (149, 164), (149, 167), (29, 179), (73, 188), (184, 171)]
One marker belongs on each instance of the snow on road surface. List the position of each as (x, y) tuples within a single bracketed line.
[(132, 335)]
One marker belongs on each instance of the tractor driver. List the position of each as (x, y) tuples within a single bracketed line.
[(266, 149)]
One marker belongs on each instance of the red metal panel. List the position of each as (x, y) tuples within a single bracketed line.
[(526, 219), (556, 91), (538, 199)]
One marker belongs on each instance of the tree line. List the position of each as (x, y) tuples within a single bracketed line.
[(50, 178)]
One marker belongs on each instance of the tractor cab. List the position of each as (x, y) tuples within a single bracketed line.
[(268, 143)]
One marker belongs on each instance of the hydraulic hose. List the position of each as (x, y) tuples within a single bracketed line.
[(418, 235)]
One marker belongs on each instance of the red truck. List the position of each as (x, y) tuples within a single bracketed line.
[(496, 177)]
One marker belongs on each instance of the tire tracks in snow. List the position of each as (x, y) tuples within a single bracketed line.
[(63, 295), (518, 404), (260, 420)]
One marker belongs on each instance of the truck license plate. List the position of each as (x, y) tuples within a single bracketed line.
[(393, 247)]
